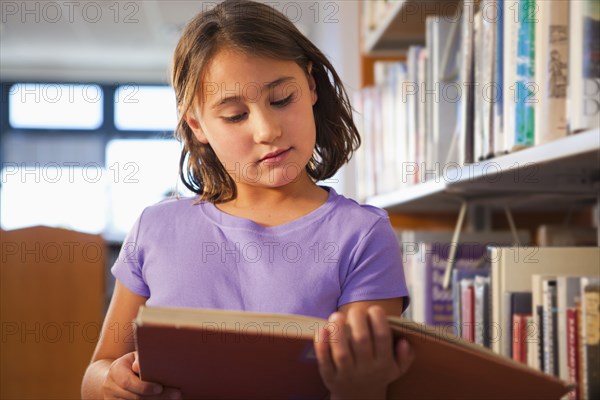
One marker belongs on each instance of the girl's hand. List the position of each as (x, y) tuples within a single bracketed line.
[(356, 360), (122, 382)]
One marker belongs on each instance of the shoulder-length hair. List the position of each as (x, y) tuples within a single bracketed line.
[(255, 29)]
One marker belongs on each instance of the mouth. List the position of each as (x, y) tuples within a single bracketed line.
[(275, 156)]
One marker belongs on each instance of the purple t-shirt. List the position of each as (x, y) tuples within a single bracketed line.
[(181, 254)]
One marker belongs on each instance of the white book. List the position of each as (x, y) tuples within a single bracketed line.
[(513, 267), (478, 129), (583, 108), (401, 125), (537, 300), (444, 110), (551, 70), (511, 41), (411, 93)]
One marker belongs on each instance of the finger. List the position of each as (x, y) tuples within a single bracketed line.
[(323, 353), (129, 381), (168, 393), (362, 341), (382, 336), (405, 355), (340, 348)]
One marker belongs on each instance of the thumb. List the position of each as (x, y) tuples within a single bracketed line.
[(136, 364), (405, 355)]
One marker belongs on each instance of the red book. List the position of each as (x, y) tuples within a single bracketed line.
[(573, 351), (519, 347), (212, 354)]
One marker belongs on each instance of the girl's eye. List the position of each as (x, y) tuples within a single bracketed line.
[(280, 103), (284, 102), (235, 118)]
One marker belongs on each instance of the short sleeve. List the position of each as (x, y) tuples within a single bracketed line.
[(128, 266), (376, 270)]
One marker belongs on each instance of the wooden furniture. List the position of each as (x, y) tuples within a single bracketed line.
[(51, 297)]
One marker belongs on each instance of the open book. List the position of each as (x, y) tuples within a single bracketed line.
[(236, 354)]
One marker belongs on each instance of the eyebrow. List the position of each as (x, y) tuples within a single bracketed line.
[(268, 85)]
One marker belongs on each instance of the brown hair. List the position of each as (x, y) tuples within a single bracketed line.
[(255, 29)]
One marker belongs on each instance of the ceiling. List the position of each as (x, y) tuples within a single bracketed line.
[(104, 41)]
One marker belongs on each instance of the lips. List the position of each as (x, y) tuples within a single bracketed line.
[(276, 155)]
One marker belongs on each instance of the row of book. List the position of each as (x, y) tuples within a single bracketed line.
[(537, 305), (499, 76)]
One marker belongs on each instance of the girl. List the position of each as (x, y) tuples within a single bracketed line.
[(263, 116)]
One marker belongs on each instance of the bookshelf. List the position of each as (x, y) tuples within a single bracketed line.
[(564, 170), (402, 24)]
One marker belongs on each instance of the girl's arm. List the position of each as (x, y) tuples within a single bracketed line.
[(357, 362), (112, 371)]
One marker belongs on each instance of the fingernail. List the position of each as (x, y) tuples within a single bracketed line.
[(175, 395), (157, 389)]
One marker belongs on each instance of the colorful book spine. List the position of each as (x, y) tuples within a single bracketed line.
[(438, 301), (526, 87)]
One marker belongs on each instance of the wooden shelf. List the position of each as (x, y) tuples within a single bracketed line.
[(404, 25), (545, 177)]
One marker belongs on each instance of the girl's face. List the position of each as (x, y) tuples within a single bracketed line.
[(256, 114)]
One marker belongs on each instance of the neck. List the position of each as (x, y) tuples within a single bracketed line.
[(265, 198)]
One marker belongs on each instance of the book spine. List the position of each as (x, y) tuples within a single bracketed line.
[(525, 75), (572, 351), (581, 348), (499, 129), (551, 70), (512, 23), (481, 287), (541, 338), (550, 359), (468, 332), (584, 78), (519, 348), (592, 339), (467, 78)]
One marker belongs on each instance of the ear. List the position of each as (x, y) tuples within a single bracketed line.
[(195, 126), (312, 85)]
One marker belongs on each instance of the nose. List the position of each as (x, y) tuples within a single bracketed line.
[(266, 126)]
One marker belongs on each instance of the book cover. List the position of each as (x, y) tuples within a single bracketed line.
[(236, 354), (437, 301)]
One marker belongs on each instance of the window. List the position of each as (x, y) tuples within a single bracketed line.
[(54, 195), (145, 108), (55, 106), (141, 172)]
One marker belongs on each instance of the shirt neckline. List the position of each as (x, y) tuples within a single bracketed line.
[(221, 218)]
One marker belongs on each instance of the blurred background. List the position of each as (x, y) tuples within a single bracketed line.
[(87, 113), (86, 121)]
